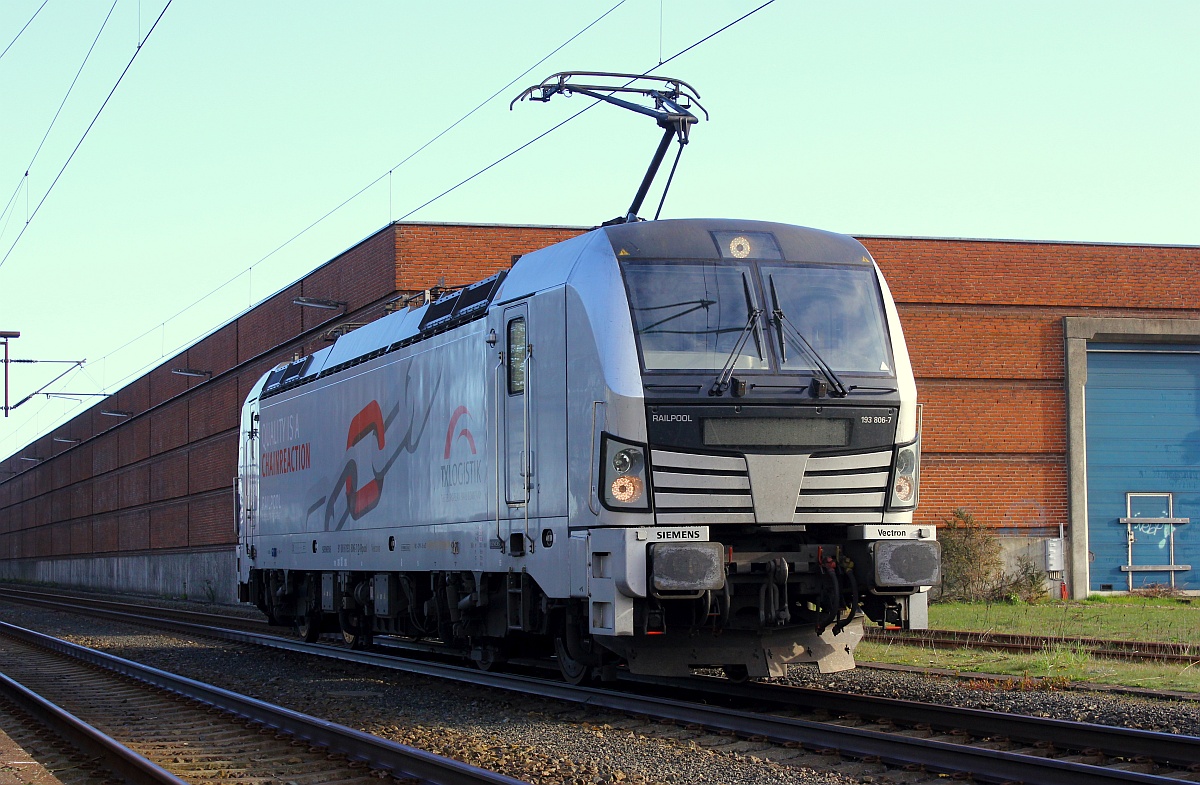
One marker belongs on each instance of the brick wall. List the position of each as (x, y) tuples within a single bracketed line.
[(463, 254), (162, 478), (983, 321)]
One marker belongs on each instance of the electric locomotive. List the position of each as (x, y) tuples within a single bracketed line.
[(664, 444), (671, 444)]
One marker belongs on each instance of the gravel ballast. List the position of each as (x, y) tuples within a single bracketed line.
[(532, 739), (1102, 707), (549, 742)]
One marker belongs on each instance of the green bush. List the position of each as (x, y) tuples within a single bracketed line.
[(972, 567), (970, 558), (1026, 584)]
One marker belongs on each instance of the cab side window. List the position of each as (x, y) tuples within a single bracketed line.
[(516, 356)]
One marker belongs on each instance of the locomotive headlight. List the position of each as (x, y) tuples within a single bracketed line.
[(626, 489), (905, 476), (628, 460), (623, 475)]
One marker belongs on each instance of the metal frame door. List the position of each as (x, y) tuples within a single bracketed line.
[(516, 390), (1150, 534)]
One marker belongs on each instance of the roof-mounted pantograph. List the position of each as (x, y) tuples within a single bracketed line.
[(673, 98)]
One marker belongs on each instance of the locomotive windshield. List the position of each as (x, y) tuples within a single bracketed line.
[(692, 315), (695, 315), (836, 309)]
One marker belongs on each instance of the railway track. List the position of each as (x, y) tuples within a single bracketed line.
[(1184, 653), (878, 734), (1114, 649), (149, 726)]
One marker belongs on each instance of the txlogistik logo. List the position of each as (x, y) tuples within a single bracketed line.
[(462, 467)]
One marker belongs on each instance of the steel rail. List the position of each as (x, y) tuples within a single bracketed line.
[(1164, 651), (398, 759), (984, 764), (200, 617), (111, 754), (1064, 734)]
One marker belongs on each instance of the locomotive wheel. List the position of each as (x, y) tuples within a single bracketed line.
[(573, 671), (356, 640), (309, 627), (354, 633), (736, 673), (488, 657)]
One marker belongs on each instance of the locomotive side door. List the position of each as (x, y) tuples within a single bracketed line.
[(519, 378), (246, 486)]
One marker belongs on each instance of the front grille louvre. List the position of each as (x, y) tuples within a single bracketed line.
[(694, 488), (844, 488)]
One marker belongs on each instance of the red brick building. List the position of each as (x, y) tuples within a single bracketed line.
[(142, 502)]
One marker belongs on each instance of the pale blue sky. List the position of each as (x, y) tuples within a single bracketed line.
[(240, 124)]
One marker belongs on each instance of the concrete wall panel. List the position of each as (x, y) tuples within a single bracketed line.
[(81, 537), (169, 526), (271, 324), (81, 499), (213, 464), (134, 486), (213, 408), (207, 576), (169, 427), (169, 476), (105, 493), (211, 520), (104, 533), (133, 531)]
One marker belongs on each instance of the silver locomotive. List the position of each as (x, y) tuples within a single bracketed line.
[(667, 444)]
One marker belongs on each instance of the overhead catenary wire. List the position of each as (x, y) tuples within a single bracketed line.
[(36, 415), (29, 167), (86, 131), (368, 186), (249, 270), (374, 182), (77, 363), (22, 30), (386, 174), (554, 128), (438, 136)]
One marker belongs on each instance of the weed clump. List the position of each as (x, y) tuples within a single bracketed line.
[(1157, 591), (1026, 683), (970, 558), (972, 567)]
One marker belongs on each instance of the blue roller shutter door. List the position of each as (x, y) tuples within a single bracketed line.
[(1143, 437)]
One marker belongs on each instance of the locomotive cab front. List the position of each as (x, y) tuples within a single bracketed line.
[(780, 463)]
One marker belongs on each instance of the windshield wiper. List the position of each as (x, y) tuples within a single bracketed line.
[(697, 305), (726, 375), (782, 323), (758, 332)]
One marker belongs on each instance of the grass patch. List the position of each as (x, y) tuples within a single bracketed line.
[(1063, 660), (1168, 620), (1057, 665)]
